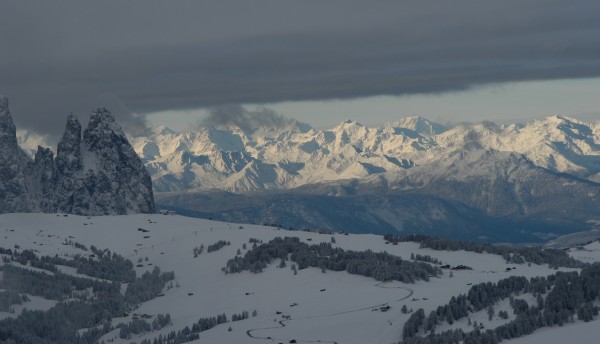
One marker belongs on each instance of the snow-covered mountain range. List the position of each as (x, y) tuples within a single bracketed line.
[(233, 160), (97, 173), (515, 182)]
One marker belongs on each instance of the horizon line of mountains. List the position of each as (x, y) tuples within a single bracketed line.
[(236, 160), (230, 158), (515, 182), (483, 181)]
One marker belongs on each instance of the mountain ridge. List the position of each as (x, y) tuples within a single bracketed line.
[(94, 173), (352, 150), (489, 195), (526, 182)]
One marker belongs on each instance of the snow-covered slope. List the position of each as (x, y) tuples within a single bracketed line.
[(418, 124), (468, 194), (293, 157), (330, 307), (558, 143), (287, 158)]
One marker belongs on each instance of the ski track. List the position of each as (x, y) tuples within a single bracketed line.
[(282, 322)]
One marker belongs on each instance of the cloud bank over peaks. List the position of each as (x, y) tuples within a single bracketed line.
[(228, 116)]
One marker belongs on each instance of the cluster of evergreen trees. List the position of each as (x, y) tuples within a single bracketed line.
[(105, 265), (380, 266), (75, 244), (413, 324), (568, 296), (55, 286), (148, 286), (198, 250), (9, 298), (80, 246), (61, 323), (83, 302), (137, 326), (479, 297), (217, 246), (512, 254), (102, 264), (425, 258), (188, 334), (26, 257), (241, 316)]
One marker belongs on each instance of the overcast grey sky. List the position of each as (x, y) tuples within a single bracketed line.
[(174, 59)]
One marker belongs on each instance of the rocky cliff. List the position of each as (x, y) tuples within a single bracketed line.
[(13, 162), (97, 173)]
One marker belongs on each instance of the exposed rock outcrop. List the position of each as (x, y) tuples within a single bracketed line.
[(97, 173), (13, 162)]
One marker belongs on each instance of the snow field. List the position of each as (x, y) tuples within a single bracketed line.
[(342, 313)]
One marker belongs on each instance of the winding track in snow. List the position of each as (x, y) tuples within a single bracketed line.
[(282, 322)]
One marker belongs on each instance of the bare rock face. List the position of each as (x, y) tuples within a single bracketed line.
[(113, 173), (41, 180), (13, 195), (95, 174), (69, 186)]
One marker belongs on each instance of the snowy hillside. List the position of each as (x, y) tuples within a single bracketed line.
[(312, 305)]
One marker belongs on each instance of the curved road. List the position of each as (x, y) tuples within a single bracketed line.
[(282, 322)]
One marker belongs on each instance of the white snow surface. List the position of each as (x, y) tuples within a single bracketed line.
[(342, 313), (575, 333), (589, 253)]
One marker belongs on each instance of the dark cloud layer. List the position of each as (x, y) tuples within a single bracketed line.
[(144, 56), (225, 116)]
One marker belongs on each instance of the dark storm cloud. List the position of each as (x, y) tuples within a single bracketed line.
[(247, 120), (138, 57)]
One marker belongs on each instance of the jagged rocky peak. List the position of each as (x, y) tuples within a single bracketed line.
[(123, 183), (9, 147), (105, 139), (419, 125), (102, 120), (103, 131), (3, 105), (40, 180), (73, 129), (12, 164), (68, 151), (94, 174), (44, 154), (8, 131)]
